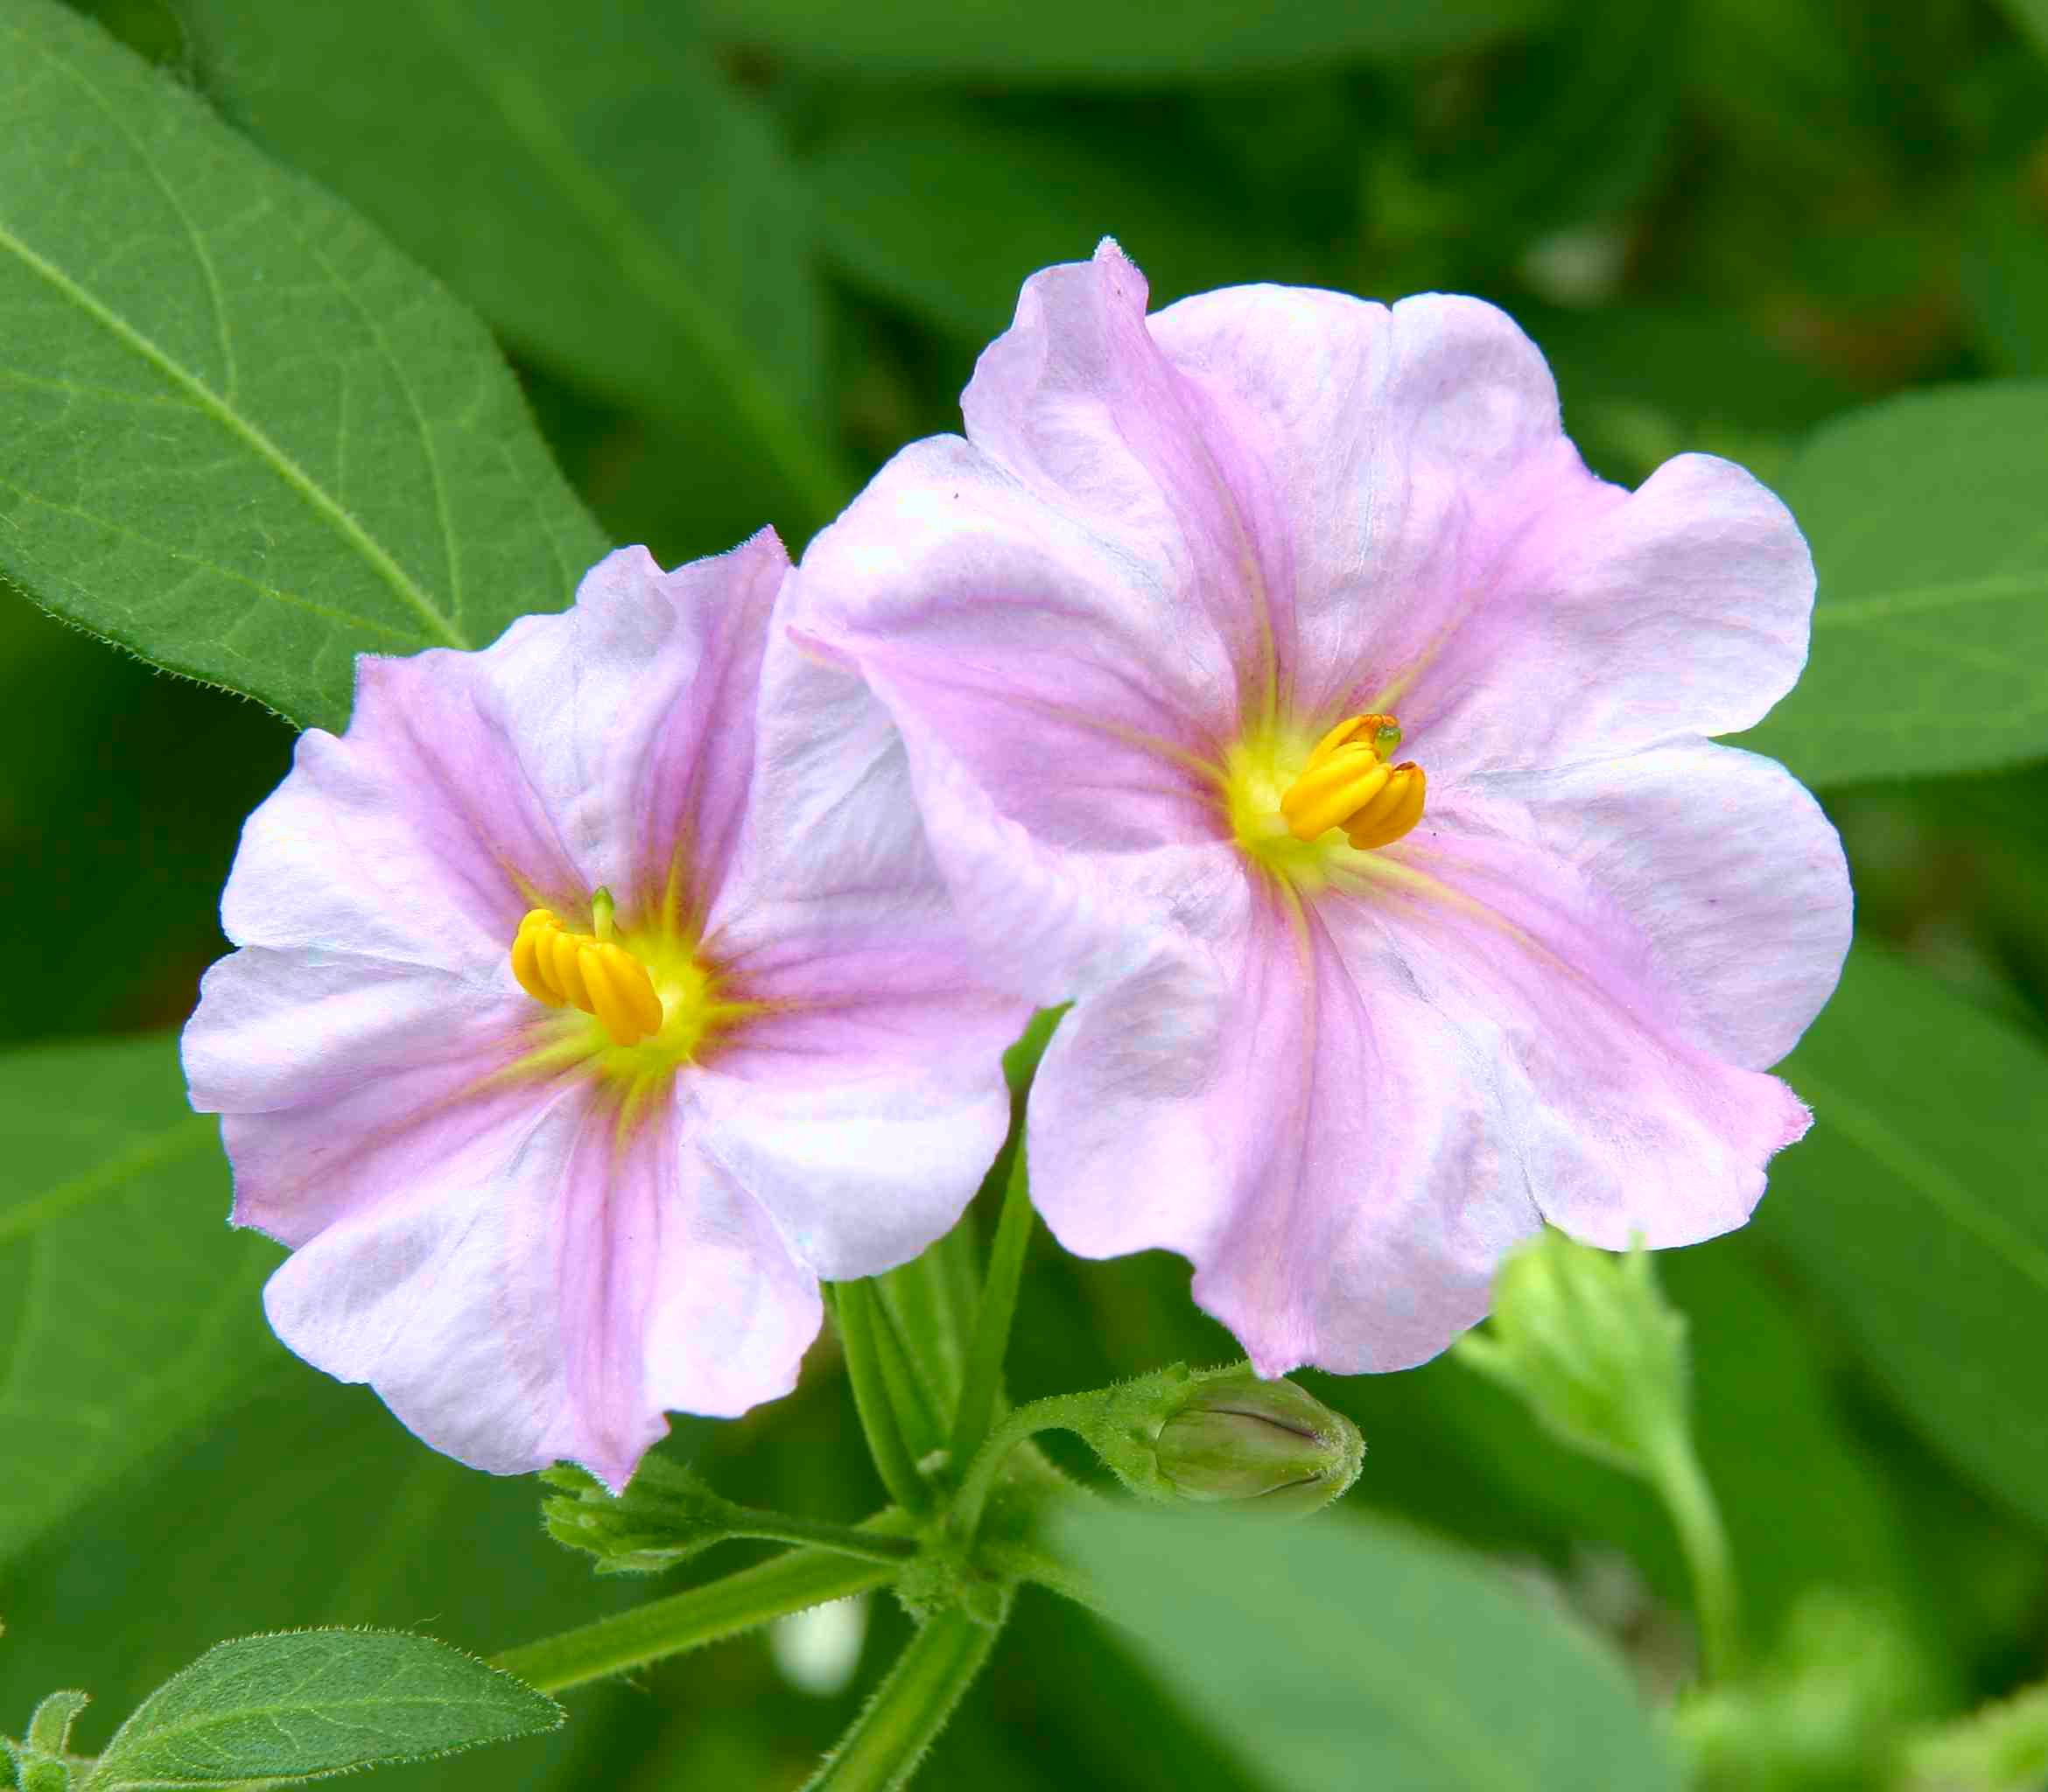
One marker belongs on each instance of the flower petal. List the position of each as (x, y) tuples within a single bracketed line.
[(1077, 401), (578, 749), (1624, 1118), (1031, 643), (1454, 560), (1703, 878), (1332, 1165), (863, 1101), (546, 1289)]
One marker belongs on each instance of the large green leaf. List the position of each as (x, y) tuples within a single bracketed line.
[(596, 189), (238, 432), (1340, 1652), (128, 1311), (1930, 646), (1918, 1205), (310, 1702), (1076, 41)]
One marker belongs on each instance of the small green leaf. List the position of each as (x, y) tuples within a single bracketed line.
[(128, 1311), (238, 432), (1344, 1653), (1074, 41), (1918, 1206), (309, 1703), (625, 215), (1930, 650)]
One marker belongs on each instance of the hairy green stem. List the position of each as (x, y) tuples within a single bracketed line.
[(853, 1540), (687, 1620), (990, 1343), (858, 1312), (1675, 1471), (1057, 1413), (889, 1739)]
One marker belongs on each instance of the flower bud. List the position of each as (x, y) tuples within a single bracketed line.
[(1587, 1339), (1238, 1438), (665, 1516)]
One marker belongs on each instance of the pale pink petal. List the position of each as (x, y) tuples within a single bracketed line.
[(1329, 1156), (578, 750), (543, 1290), (1074, 681), (864, 1100), (285, 1029), (1705, 878), (1452, 558), (1077, 402), (679, 744), (1621, 1123)]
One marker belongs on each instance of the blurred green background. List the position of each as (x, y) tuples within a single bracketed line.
[(1725, 222)]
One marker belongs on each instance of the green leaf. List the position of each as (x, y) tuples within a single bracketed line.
[(903, 194), (1341, 1652), (128, 1311), (1076, 42), (1930, 648), (238, 432), (619, 212), (310, 1505), (1918, 1206), (309, 1703)]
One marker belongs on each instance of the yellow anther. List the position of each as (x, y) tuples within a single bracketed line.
[(1348, 784), (1390, 813), (599, 977), (526, 962)]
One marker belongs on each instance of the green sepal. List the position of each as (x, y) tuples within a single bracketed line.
[(666, 1515), (1588, 1340), (49, 1731)]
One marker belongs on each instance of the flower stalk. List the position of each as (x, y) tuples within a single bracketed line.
[(990, 1343), (860, 1318), (889, 1740), (687, 1620)]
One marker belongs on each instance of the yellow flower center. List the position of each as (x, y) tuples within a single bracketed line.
[(654, 1003), (1288, 799)]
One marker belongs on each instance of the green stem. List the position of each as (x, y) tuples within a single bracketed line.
[(1058, 1413), (687, 1620), (888, 1739), (859, 1320), (910, 1395), (990, 1343), (818, 1534), (1679, 1478)]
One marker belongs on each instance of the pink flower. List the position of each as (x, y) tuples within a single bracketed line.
[(595, 997), (1278, 681)]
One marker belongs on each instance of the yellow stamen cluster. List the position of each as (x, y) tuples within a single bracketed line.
[(1348, 784), (588, 971)]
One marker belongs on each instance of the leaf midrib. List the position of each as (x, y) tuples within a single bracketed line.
[(316, 500), (329, 509)]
